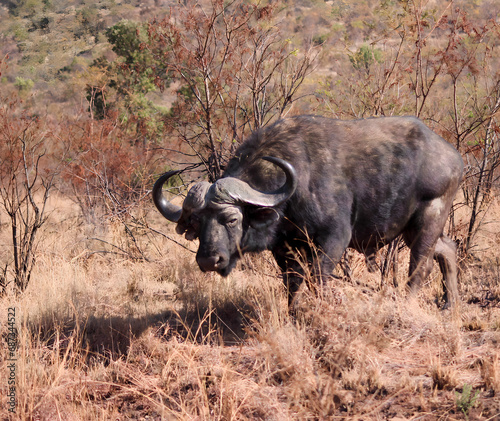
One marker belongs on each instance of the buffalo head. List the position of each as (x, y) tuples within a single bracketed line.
[(227, 216)]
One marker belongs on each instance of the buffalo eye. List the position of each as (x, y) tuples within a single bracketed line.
[(231, 222)]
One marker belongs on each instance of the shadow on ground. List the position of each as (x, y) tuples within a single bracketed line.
[(110, 337)]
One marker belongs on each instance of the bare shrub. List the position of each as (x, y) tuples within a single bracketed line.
[(236, 70), (26, 180)]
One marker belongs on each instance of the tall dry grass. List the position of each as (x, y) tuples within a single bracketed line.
[(103, 336)]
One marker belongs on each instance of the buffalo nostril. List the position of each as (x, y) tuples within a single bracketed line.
[(221, 262), (211, 263)]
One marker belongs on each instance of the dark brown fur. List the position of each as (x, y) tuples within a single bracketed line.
[(360, 184)]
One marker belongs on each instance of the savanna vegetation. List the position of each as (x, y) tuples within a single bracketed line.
[(104, 313)]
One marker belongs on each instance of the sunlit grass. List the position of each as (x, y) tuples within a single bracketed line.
[(105, 337)]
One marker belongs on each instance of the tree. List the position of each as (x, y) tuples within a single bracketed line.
[(116, 89), (237, 73)]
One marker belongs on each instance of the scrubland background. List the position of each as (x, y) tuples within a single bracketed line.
[(114, 319)]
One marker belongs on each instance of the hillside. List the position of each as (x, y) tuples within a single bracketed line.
[(51, 44)]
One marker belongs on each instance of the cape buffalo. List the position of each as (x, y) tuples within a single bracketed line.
[(333, 184)]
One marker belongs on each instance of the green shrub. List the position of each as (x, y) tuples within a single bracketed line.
[(23, 85)]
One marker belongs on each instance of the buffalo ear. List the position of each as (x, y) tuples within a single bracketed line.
[(185, 227), (263, 217)]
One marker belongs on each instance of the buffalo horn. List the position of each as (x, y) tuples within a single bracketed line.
[(168, 210), (234, 190)]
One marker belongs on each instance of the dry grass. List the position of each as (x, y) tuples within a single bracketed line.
[(103, 336)]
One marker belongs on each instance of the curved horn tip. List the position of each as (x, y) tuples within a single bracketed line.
[(289, 170), (168, 210)]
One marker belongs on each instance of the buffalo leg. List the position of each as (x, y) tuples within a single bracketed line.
[(299, 264), (291, 272), (445, 254), (425, 239), (420, 268)]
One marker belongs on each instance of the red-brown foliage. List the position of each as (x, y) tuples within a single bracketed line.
[(108, 171)]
